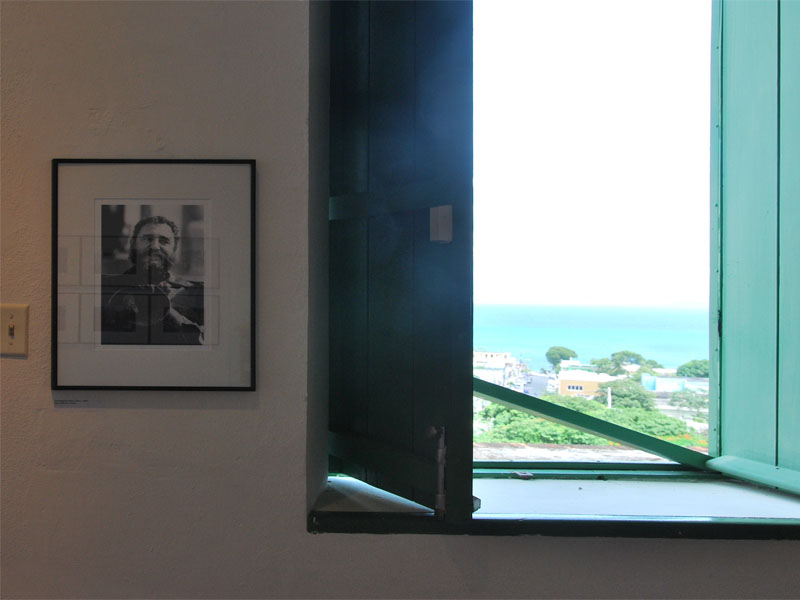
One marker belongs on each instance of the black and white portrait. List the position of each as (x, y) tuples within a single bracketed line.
[(152, 274)]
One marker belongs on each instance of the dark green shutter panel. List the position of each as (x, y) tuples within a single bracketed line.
[(401, 246), (758, 280)]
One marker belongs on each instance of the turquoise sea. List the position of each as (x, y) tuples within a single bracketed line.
[(669, 336)]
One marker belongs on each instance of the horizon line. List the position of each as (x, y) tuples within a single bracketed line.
[(625, 306)]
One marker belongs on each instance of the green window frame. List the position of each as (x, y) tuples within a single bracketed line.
[(401, 294)]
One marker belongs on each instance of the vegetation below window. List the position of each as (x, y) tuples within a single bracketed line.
[(509, 425), (625, 389)]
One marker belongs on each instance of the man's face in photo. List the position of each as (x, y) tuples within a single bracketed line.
[(155, 248)]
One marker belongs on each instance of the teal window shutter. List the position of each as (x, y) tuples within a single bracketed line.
[(401, 249), (789, 232), (756, 336)]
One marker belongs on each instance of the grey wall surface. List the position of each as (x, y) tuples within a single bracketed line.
[(205, 495)]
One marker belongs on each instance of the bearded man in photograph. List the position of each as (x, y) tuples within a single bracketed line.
[(146, 304)]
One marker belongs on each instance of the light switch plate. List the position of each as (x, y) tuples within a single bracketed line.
[(14, 329)]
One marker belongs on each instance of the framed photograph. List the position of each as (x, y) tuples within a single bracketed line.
[(153, 274)]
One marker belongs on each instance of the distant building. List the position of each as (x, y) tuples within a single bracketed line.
[(500, 368), (481, 358), (536, 384), (669, 385), (665, 372), (572, 364), (581, 383)]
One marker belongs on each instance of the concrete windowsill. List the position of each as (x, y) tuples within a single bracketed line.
[(718, 507)]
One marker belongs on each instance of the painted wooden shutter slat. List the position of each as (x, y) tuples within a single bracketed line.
[(789, 357), (749, 230)]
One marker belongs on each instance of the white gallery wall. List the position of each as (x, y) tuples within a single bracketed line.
[(205, 494)]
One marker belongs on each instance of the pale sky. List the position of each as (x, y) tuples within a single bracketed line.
[(592, 152)]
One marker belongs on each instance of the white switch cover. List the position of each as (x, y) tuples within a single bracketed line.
[(14, 329)]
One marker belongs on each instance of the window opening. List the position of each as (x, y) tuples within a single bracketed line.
[(590, 118), (377, 236)]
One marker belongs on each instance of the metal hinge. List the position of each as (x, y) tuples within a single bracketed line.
[(441, 464)]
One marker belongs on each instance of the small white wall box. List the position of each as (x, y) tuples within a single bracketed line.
[(14, 329)]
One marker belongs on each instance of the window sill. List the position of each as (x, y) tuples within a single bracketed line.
[(575, 507)]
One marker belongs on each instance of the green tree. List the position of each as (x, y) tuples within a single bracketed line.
[(616, 364), (649, 367), (558, 353), (626, 393), (650, 422), (510, 425), (605, 365), (626, 357), (694, 368)]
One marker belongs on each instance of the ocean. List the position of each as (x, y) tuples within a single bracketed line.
[(669, 336)]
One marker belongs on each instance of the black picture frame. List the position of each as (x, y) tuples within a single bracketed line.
[(153, 274)]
